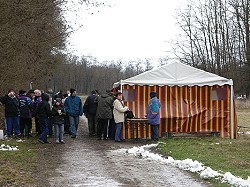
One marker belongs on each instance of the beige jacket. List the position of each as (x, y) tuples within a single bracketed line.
[(119, 110)]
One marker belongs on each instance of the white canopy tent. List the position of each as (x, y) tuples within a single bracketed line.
[(179, 74), (176, 74)]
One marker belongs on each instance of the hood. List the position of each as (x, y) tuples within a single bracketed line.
[(45, 97), (105, 95)]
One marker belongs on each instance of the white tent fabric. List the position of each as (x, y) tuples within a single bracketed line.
[(176, 74)]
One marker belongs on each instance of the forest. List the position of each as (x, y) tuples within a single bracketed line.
[(214, 37)]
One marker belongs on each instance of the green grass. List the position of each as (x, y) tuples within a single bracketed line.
[(223, 155), (17, 166)]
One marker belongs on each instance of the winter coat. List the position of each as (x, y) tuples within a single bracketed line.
[(105, 106), (119, 110), (35, 104), (25, 106), (56, 118), (73, 106), (43, 108), (90, 106), (12, 106), (153, 111)]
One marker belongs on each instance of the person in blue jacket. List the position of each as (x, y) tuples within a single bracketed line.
[(73, 107), (153, 115)]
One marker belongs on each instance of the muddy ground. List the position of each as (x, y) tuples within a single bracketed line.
[(86, 161)]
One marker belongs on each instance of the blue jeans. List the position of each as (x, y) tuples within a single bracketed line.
[(118, 132), (12, 123), (44, 126), (59, 130), (155, 132), (74, 121)]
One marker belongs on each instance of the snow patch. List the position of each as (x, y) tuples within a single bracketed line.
[(187, 164), (4, 147)]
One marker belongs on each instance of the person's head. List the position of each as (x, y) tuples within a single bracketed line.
[(65, 95), (11, 92), (118, 95), (22, 92), (153, 94), (72, 92), (45, 97), (58, 101), (37, 92), (93, 92)]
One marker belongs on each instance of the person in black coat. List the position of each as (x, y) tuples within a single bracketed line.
[(89, 110), (12, 112), (44, 113)]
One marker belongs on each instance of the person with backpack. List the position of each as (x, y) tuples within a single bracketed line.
[(89, 110)]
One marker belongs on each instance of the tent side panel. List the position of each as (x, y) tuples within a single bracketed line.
[(183, 109)]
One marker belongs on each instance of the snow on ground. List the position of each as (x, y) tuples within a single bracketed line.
[(4, 147), (187, 164)]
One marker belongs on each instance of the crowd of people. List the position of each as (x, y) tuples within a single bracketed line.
[(58, 114)]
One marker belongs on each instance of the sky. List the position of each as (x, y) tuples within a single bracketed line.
[(127, 29)]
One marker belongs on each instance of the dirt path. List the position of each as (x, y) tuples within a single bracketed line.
[(87, 161)]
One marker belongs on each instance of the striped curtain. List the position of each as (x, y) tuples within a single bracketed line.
[(185, 109)]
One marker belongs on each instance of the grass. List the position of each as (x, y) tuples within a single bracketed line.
[(223, 155), (17, 166)]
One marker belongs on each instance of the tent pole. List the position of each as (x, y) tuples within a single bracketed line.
[(231, 113)]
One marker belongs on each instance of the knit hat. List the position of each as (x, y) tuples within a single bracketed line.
[(59, 100), (152, 94), (72, 90)]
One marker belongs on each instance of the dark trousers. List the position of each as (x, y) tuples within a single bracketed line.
[(111, 129), (25, 126), (44, 126), (50, 127), (102, 128), (91, 124), (66, 124), (38, 129)]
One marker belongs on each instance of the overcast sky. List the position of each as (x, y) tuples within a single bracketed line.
[(129, 29)]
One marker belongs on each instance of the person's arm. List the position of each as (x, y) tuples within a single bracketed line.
[(3, 99), (81, 108), (119, 107)]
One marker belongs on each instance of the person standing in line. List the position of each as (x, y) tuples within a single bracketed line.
[(37, 100), (153, 115), (119, 117), (12, 113), (73, 107), (58, 120), (66, 117), (25, 113), (43, 114), (104, 113), (89, 110)]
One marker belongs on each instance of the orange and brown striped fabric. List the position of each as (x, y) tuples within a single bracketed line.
[(185, 109)]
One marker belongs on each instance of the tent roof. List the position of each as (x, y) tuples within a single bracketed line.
[(176, 74)]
